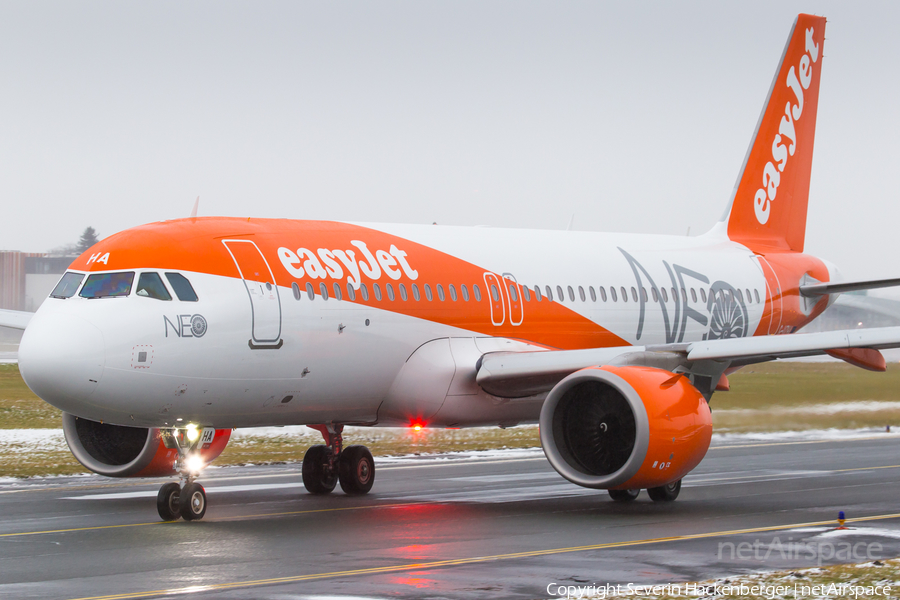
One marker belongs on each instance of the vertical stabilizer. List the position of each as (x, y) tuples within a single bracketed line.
[(768, 209)]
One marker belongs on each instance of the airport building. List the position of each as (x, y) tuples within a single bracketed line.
[(27, 278)]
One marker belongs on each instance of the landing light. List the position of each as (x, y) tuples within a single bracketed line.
[(194, 463), (192, 433)]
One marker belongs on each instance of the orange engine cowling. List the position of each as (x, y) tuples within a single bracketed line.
[(117, 451), (625, 427)]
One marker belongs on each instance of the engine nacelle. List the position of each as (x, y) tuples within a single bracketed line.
[(117, 451), (625, 427)]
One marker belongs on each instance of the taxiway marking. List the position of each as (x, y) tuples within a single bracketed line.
[(471, 560)]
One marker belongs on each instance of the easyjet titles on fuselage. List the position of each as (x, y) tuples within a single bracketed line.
[(305, 262)]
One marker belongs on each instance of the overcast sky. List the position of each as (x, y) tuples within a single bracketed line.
[(631, 116)]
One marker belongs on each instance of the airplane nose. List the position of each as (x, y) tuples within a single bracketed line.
[(61, 358)]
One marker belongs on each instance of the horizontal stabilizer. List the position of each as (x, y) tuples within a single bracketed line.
[(821, 289), (15, 319)]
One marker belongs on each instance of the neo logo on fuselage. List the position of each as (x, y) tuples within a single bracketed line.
[(185, 326)]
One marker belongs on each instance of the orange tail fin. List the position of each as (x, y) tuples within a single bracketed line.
[(768, 209)]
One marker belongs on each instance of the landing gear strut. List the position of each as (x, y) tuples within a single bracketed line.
[(325, 465), (188, 499)]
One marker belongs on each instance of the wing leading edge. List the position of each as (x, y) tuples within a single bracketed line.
[(14, 319), (518, 374)]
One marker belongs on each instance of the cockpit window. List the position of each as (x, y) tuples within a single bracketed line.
[(107, 285), (67, 286), (150, 285), (182, 287)]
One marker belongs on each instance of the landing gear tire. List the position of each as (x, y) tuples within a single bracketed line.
[(318, 478), (167, 502), (665, 493), (192, 502), (624, 495), (356, 470)]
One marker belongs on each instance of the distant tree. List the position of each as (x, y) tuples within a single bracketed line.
[(88, 239)]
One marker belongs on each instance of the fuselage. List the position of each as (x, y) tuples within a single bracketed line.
[(299, 322)]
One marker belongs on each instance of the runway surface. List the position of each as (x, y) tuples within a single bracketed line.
[(503, 525)]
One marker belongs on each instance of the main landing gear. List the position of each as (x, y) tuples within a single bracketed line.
[(325, 465), (187, 499), (663, 493)]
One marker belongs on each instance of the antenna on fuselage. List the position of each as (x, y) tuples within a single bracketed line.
[(571, 220), (196, 206)]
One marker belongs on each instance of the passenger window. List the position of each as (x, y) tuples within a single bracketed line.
[(476, 291), (310, 292), (403, 295), (602, 292), (749, 297), (183, 288), (364, 292), (296, 289), (756, 295), (624, 294), (633, 294), (107, 285), (560, 294), (351, 293), (465, 292), (703, 295), (67, 286), (527, 293), (416, 295), (390, 291), (549, 293), (453, 295), (571, 293), (683, 296), (537, 293), (150, 285), (428, 295), (612, 294), (644, 294), (693, 295), (337, 291), (377, 290), (581, 294), (593, 293), (440, 291), (495, 293), (740, 296), (513, 296), (323, 291), (665, 294), (655, 294)]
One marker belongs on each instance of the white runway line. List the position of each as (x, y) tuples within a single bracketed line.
[(209, 490)]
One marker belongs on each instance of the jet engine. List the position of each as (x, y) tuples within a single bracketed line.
[(117, 451), (625, 427)]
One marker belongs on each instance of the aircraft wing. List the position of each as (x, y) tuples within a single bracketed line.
[(821, 289), (15, 319), (512, 374)]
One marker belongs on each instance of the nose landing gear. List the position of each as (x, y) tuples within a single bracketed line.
[(325, 465), (187, 500)]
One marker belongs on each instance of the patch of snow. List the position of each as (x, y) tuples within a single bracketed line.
[(825, 408), (810, 435), (30, 440)]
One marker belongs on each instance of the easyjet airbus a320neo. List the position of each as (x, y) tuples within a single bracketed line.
[(163, 338)]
